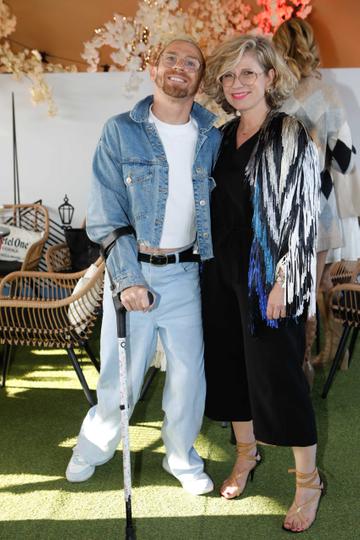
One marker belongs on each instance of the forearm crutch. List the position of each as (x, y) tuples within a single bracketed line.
[(124, 410), (120, 311), (124, 414)]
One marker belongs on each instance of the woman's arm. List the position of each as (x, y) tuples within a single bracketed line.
[(340, 149), (299, 191)]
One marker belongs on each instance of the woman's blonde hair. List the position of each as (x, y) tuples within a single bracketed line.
[(294, 40), (228, 55)]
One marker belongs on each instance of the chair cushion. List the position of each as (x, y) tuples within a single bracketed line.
[(9, 266), (83, 252), (81, 309), (15, 246)]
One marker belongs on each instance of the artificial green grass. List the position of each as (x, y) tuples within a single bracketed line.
[(41, 410)]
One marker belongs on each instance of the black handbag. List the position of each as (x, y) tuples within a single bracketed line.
[(83, 252)]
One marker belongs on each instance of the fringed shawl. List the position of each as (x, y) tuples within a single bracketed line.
[(284, 176)]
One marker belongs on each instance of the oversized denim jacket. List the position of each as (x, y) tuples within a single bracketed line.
[(130, 187)]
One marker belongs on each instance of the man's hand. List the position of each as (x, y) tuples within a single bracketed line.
[(276, 305), (135, 298)]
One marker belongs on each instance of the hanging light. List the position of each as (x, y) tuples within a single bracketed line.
[(66, 212)]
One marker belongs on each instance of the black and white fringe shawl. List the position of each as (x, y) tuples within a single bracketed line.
[(284, 176)]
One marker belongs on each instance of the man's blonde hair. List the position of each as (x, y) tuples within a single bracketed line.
[(154, 60)]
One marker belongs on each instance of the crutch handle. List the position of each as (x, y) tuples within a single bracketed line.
[(121, 314), (119, 306)]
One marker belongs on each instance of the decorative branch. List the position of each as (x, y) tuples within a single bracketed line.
[(277, 11), (7, 21), (28, 63), (135, 39), (212, 21)]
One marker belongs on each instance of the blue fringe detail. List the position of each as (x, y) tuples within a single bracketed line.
[(260, 247), (260, 234), (255, 282)]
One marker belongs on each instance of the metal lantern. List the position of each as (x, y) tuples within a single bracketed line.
[(66, 212)]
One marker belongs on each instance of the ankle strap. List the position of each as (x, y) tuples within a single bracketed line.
[(244, 449), (305, 480)]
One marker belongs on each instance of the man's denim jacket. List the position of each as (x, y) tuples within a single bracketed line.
[(130, 187)]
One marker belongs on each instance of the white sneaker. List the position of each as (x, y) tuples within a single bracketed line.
[(195, 484), (79, 470)]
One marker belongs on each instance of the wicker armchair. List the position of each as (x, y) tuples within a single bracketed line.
[(338, 273), (344, 272), (58, 259), (32, 217), (42, 309), (344, 304)]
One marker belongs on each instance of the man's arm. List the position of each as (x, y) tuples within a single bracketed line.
[(108, 209)]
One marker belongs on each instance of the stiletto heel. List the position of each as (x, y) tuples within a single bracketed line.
[(231, 488), (306, 480)]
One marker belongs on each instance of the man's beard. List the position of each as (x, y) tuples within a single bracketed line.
[(174, 90)]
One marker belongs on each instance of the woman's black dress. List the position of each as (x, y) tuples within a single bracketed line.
[(249, 377)]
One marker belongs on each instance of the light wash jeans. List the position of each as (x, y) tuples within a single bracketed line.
[(177, 318)]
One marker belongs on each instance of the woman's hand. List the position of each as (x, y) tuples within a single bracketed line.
[(276, 302)]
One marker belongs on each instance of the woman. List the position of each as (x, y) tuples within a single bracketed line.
[(318, 106), (260, 286)]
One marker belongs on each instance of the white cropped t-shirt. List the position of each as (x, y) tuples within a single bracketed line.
[(179, 142)]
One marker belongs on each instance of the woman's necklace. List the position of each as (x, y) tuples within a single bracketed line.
[(245, 132), (244, 135), (250, 129)]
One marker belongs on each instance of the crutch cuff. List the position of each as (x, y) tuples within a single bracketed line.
[(108, 243)]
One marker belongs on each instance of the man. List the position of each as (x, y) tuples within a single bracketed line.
[(152, 171)]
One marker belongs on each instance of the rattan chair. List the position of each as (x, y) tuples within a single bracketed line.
[(58, 259), (42, 309), (32, 217), (345, 309), (339, 272), (344, 272)]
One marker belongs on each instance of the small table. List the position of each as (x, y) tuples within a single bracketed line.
[(4, 231)]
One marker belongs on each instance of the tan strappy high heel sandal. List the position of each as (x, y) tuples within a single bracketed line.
[(306, 480), (232, 483)]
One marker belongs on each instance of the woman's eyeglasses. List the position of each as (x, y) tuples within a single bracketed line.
[(246, 77), (192, 65)]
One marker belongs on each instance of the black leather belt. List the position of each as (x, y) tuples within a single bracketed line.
[(162, 260)]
